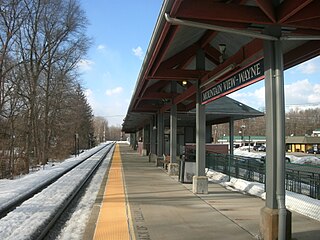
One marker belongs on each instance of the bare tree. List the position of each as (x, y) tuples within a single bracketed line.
[(41, 43), (101, 128)]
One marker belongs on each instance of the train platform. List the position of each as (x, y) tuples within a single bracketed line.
[(141, 201)]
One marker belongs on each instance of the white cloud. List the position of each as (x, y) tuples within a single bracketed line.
[(101, 47), (85, 65), (252, 98), (138, 52), (302, 94), (310, 67), (114, 111), (114, 91)]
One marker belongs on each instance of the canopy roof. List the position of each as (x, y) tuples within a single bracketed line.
[(303, 140), (219, 111), (230, 33)]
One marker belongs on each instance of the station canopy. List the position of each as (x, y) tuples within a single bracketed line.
[(231, 34)]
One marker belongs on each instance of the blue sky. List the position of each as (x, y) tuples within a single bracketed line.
[(121, 31)]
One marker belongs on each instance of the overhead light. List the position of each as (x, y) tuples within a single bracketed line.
[(218, 75), (184, 83), (222, 49)]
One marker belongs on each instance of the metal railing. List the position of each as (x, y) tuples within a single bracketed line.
[(300, 178)]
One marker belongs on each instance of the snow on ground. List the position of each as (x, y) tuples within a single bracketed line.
[(26, 220), (296, 202), (75, 226), (13, 189)]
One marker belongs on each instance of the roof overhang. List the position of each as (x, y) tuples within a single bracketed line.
[(186, 26)]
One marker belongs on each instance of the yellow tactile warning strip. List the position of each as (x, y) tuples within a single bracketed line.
[(112, 221)]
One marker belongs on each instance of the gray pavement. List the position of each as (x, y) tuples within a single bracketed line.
[(162, 208)]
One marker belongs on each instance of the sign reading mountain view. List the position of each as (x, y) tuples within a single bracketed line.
[(241, 79)]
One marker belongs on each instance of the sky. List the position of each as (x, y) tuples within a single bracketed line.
[(121, 32)]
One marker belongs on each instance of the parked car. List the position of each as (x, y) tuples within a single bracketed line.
[(313, 151), (262, 148), (255, 148), (259, 148)]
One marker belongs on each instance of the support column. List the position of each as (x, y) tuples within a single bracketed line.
[(160, 135), (152, 154), (231, 136), (135, 141), (231, 143), (146, 139), (173, 167), (275, 219), (200, 181)]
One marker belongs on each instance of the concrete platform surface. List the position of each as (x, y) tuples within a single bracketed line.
[(160, 207)]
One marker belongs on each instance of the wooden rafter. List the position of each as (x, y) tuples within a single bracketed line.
[(158, 95), (164, 48), (211, 10), (156, 87), (213, 54), (178, 74), (267, 8), (180, 57), (313, 24), (246, 52), (311, 11), (301, 53), (287, 9)]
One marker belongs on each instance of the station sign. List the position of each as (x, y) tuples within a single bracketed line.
[(244, 77)]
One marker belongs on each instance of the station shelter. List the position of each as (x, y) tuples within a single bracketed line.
[(199, 52)]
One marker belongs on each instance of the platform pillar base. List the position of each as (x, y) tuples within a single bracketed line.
[(200, 185), (269, 224)]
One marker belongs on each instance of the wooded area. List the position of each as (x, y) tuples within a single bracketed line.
[(42, 103)]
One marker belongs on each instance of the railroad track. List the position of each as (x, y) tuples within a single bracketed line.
[(31, 216)]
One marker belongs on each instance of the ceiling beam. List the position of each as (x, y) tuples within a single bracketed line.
[(212, 10), (246, 52), (306, 24), (311, 11), (180, 57), (157, 87), (158, 95), (289, 8), (185, 95), (206, 38), (164, 48), (146, 108), (213, 54), (142, 84), (302, 53), (268, 9), (178, 74)]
